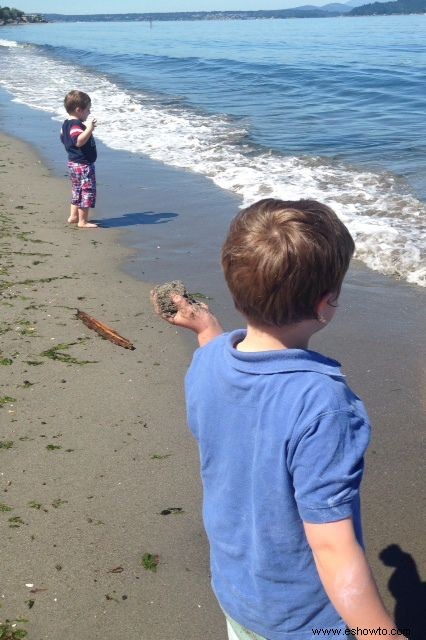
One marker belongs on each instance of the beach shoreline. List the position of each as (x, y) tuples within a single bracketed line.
[(103, 448)]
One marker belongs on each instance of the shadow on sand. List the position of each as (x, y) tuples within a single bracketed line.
[(133, 219), (408, 590)]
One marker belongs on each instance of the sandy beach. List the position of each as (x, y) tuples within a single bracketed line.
[(97, 466), (93, 447)]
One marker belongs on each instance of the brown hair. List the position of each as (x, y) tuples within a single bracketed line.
[(281, 257), (75, 99)]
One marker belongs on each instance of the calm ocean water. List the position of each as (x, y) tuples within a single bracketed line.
[(331, 109)]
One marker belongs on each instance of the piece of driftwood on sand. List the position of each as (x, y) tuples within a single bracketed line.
[(104, 330)]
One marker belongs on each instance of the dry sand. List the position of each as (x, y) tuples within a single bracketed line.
[(91, 454)]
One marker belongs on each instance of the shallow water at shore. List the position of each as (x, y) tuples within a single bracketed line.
[(261, 108)]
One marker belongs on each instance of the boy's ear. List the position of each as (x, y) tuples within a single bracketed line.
[(326, 306), (332, 299), (323, 303), (321, 306)]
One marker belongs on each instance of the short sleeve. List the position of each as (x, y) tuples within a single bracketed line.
[(75, 130), (327, 464)]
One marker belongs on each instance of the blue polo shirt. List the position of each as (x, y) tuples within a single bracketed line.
[(282, 440)]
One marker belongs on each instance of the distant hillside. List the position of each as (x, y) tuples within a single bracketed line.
[(355, 3), (390, 8), (336, 8), (350, 8), (308, 12)]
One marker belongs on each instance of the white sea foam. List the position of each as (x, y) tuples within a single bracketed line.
[(388, 224), (9, 43)]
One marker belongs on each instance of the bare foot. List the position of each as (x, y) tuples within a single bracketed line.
[(87, 225), (72, 220)]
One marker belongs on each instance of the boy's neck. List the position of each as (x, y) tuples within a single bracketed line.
[(76, 115), (267, 338)]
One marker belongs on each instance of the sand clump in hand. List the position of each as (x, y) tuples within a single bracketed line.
[(163, 297)]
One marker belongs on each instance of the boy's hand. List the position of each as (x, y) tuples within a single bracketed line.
[(85, 136), (196, 317)]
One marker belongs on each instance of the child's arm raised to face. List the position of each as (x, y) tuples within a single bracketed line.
[(84, 137), (347, 578), (197, 318)]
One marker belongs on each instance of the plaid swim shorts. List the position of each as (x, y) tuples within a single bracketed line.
[(83, 181)]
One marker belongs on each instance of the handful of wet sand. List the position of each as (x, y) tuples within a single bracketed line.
[(163, 293)]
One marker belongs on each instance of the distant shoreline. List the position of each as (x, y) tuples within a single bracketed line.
[(332, 10), (227, 19)]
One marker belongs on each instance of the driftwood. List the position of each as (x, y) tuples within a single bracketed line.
[(104, 330)]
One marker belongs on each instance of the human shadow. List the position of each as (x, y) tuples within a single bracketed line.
[(133, 219), (408, 590)]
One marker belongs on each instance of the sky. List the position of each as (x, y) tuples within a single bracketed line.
[(151, 6)]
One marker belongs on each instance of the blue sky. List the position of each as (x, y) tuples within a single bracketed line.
[(151, 6)]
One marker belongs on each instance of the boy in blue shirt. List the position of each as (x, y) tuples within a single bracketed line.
[(80, 146), (281, 435)]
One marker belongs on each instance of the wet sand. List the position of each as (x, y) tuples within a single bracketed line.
[(91, 454)]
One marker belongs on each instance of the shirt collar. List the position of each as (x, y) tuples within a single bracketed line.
[(278, 361)]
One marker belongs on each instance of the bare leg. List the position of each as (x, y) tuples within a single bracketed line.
[(83, 219), (73, 219)]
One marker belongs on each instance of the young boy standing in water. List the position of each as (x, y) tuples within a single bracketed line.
[(80, 145), (281, 435)]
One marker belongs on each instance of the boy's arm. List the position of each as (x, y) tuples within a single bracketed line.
[(84, 137), (197, 318), (347, 578)]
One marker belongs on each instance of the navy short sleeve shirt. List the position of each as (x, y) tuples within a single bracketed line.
[(70, 131)]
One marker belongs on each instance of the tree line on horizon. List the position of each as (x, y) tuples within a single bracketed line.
[(10, 15), (390, 8)]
